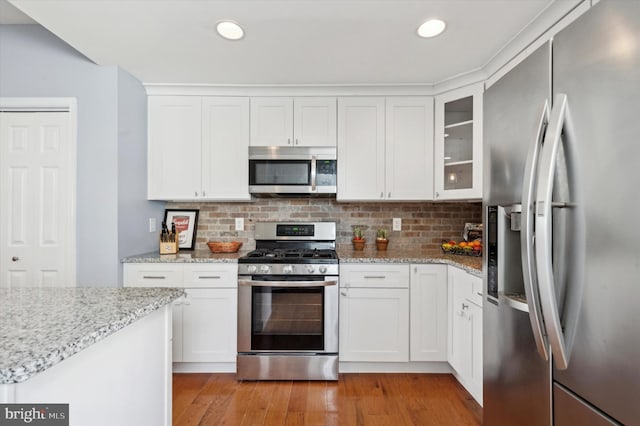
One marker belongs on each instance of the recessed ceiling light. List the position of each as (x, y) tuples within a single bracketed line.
[(229, 30), (431, 28)]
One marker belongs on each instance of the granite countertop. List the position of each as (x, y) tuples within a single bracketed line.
[(470, 264), (41, 327), (191, 256), (346, 254)]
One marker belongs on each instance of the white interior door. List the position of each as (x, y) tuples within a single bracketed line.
[(37, 216)]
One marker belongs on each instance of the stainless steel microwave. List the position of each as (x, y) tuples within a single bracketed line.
[(292, 170)]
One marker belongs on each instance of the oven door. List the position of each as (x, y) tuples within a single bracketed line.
[(287, 314)]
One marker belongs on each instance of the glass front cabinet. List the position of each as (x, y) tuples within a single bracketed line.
[(458, 144)]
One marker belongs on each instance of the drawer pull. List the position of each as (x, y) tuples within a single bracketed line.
[(154, 277), (480, 294), (377, 277), (209, 277)]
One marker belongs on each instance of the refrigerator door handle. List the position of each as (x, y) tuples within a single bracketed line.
[(544, 233), (527, 236)]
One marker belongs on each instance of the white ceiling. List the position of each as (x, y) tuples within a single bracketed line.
[(351, 42)]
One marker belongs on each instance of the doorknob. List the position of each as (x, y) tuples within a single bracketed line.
[(15, 258)]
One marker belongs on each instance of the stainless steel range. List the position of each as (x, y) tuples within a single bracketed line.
[(288, 303)]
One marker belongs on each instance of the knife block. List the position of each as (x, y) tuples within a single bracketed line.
[(169, 247)]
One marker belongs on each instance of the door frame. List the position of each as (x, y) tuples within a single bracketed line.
[(70, 106)]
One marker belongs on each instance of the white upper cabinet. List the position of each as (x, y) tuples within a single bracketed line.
[(300, 121), (409, 148), (458, 144), (360, 148), (225, 148), (198, 148), (174, 147), (385, 148)]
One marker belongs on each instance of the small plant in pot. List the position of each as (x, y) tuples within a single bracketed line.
[(358, 238), (381, 239)]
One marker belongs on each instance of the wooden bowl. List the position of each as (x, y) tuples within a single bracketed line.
[(224, 247)]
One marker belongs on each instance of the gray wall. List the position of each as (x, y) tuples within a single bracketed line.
[(35, 63)]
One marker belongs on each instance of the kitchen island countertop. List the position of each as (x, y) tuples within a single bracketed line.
[(43, 326)]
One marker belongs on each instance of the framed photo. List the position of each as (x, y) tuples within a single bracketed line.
[(186, 222)]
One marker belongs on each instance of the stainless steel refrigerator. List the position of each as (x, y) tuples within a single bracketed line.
[(562, 202)]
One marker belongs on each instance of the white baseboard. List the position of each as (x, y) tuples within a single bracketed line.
[(204, 367), (395, 367)]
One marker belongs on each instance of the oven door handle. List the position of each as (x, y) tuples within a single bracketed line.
[(287, 283)]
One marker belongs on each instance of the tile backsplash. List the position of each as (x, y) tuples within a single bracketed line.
[(424, 225)]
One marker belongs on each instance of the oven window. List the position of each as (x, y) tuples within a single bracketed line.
[(280, 172), (287, 318)]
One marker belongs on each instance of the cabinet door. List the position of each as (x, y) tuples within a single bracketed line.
[(225, 148), (271, 121), (209, 325), (409, 148), (176, 330), (361, 136), (459, 351), (428, 313), (174, 147), (458, 144), (314, 121), (374, 325), (475, 373)]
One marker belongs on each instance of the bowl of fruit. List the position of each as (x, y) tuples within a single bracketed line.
[(463, 248)]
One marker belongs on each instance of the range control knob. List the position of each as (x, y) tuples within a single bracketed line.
[(264, 269), (322, 269), (310, 269), (252, 269), (287, 269)]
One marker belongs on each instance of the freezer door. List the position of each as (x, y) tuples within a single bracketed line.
[(571, 410), (596, 63), (517, 380)]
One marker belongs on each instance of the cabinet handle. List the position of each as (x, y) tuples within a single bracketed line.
[(389, 195), (465, 306), (437, 194), (289, 141), (15, 258), (344, 293), (378, 277), (209, 277), (480, 294), (382, 195), (153, 277), (203, 194), (196, 192), (296, 141)]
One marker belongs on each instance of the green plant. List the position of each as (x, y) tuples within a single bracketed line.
[(358, 233), (381, 234)]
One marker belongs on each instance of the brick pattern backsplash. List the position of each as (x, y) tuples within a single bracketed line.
[(424, 225)]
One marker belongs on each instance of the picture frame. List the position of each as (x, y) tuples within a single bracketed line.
[(186, 221)]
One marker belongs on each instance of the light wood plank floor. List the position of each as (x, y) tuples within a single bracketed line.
[(356, 399)]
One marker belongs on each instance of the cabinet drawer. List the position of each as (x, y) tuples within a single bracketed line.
[(152, 275), (374, 276), (211, 275)]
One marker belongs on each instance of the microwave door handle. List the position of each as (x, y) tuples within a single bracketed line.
[(313, 173), (527, 236), (251, 283)]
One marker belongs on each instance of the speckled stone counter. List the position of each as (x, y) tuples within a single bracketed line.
[(195, 256), (470, 264), (40, 327)]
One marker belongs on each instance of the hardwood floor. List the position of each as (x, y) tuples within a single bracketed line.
[(356, 399)]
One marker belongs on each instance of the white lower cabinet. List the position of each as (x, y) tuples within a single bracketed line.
[(465, 330), (207, 332), (428, 330), (374, 313), (204, 320)]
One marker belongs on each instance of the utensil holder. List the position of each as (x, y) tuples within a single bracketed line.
[(169, 246)]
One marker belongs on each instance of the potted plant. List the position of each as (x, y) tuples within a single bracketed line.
[(358, 238), (381, 239)]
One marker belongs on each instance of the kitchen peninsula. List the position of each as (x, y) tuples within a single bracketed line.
[(104, 351)]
